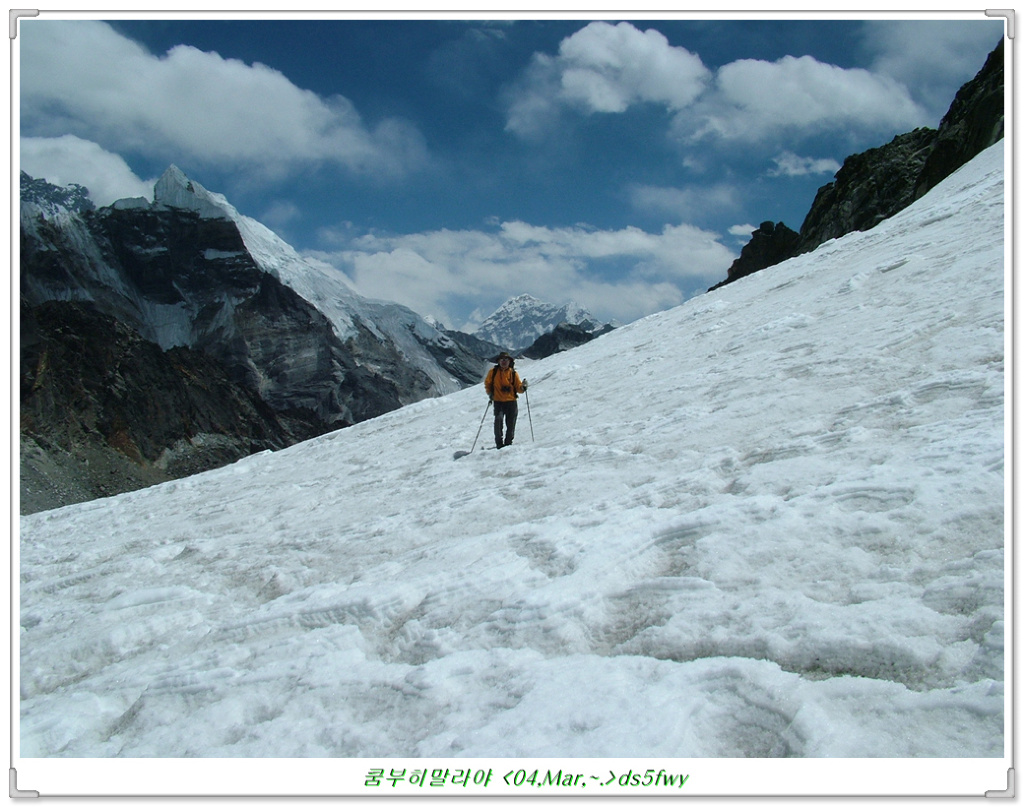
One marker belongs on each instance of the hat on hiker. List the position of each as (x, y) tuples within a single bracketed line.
[(504, 355)]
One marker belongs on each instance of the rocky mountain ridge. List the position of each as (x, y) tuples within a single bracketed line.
[(289, 348), (53, 199), (564, 337), (876, 184)]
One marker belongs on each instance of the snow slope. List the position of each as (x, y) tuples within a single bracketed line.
[(769, 522)]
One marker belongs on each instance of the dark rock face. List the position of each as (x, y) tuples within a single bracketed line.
[(973, 123), (476, 346), (869, 188), (878, 183), (179, 279), (769, 244), (212, 357), (564, 337), (103, 410)]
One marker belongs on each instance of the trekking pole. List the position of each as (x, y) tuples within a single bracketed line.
[(480, 429), (529, 414), (459, 454)]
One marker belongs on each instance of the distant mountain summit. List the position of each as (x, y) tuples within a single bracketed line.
[(520, 321)]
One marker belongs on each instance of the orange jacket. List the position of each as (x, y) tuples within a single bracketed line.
[(502, 385)]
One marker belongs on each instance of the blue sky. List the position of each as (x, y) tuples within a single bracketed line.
[(451, 164)]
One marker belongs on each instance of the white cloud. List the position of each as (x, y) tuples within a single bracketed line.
[(753, 100), (742, 230), (788, 164), (69, 159), (605, 68), (609, 68), (443, 271), (84, 77), (534, 105), (683, 203)]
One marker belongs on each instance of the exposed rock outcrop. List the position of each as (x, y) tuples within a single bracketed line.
[(974, 122), (878, 183), (565, 336), (869, 188), (179, 278), (769, 244)]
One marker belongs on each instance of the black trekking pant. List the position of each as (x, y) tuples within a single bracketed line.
[(506, 411)]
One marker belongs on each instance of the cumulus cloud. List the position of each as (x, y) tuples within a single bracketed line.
[(754, 99), (84, 77), (619, 274), (788, 164), (743, 231), (605, 68), (68, 159), (610, 68)]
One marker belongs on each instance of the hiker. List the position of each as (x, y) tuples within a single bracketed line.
[(503, 386)]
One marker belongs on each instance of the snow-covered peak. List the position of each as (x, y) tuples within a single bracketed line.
[(522, 301), (520, 320), (327, 288), (176, 190)]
